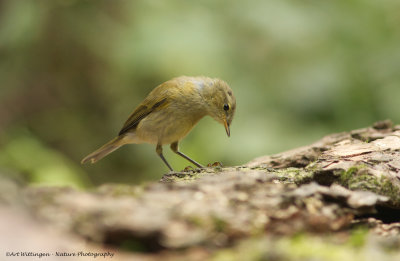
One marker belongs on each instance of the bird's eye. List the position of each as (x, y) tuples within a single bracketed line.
[(226, 107)]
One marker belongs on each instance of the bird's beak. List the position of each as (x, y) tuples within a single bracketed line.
[(228, 132)]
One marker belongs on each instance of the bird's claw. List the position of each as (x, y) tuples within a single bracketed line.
[(215, 164), (187, 169)]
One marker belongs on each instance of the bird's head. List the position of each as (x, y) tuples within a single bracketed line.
[(222, 103)]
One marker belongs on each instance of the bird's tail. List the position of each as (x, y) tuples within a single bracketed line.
[(104, 150)]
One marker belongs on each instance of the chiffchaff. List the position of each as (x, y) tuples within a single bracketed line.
[(170, 111)]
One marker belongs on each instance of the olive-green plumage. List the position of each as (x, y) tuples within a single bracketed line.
[(170, 111)]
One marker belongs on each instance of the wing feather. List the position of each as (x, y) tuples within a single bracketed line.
[(141, 112)]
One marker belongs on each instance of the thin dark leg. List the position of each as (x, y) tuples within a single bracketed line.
[(174, 148), (159, 153)]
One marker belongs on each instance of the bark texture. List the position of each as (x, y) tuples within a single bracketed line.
[(338, 198)]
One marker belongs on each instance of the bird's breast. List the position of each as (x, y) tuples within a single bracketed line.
[(166, 126)]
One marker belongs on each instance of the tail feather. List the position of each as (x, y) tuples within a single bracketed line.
[(103, 150)]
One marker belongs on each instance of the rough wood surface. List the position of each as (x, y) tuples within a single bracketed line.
[(340, 195)]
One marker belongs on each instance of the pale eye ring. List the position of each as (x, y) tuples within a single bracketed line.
[(226, 107)]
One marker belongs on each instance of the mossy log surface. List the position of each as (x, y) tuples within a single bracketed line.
[(336, 199)]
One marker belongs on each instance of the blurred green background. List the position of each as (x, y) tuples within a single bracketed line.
[(71, 72)]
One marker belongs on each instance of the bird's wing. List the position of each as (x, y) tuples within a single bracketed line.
[(145, 108)]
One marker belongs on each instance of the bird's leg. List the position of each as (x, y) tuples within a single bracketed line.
[(174, 148), (159, 153)]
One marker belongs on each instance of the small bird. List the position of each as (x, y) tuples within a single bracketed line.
[(170, 112)]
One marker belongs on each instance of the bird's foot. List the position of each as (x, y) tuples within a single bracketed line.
[(215, 164), (188, 169)]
